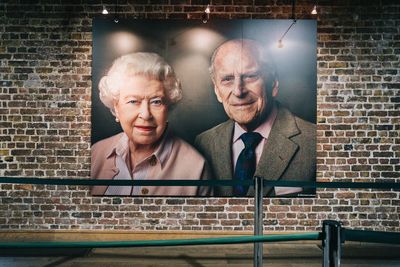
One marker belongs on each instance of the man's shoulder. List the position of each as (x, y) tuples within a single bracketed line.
[(216, 131), (304, 126), (298, 130), (185, 150)]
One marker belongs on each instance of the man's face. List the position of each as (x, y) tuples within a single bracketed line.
[(240, 84)]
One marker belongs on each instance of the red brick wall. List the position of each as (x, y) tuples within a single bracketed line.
[(45, 87)]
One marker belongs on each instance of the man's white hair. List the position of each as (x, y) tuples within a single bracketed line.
[(150, 65)]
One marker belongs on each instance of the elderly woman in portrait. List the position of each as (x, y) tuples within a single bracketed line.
[(139, 90)]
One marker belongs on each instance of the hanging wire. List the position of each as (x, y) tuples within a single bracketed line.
[(116, 19), (280, 41)]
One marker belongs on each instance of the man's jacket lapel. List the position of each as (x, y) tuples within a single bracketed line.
[(278, 150)]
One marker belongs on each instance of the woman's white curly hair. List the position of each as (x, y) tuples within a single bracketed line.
[(147, 64)]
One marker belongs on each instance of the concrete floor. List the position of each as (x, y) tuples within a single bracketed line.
[(275, 255)]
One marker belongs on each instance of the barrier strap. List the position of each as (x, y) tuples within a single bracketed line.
[(348, 235), (213, 183), (158, 243), (371, 236)]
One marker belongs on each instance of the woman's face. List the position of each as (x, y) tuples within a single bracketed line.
[(142, 109)]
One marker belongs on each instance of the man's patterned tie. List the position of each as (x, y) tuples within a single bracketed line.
[(246, 162)]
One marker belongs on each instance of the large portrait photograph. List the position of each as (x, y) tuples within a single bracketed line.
[(187, 100)]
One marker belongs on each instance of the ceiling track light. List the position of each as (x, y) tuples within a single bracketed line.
[(207, 10), (105, 11), (314, 11), (206, 14)]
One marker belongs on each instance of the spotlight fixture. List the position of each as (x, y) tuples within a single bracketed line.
[(206, 14), (105, 11), (207, 10), (314, 11), (205, 17), (280, 41)]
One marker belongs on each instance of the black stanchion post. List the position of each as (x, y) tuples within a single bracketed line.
[(258, 220), (331, 243)]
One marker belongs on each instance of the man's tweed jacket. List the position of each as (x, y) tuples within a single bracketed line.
[(288, 154)]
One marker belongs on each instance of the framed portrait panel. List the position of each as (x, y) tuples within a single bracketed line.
[(187, 47)]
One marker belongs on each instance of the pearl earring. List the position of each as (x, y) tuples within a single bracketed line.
[(116, 120)]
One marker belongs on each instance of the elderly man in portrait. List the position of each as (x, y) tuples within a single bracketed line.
[(261, 138)]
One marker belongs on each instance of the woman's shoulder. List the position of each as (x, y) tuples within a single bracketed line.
[(109, 140), (107, 144)]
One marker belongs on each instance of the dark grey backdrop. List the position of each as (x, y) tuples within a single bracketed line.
[(187, 45)]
